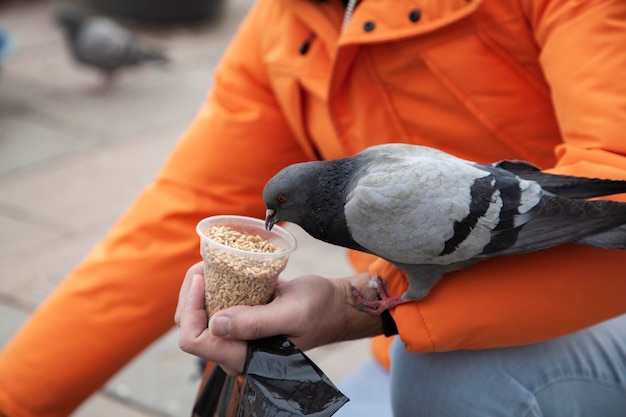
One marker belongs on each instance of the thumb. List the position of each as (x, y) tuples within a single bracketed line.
[(248, 322)]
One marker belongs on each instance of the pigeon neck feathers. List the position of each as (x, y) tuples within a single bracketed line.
[(325, 200), (328, 222)]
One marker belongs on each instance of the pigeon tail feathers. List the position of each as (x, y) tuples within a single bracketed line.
[(565, 221), (567, 186)]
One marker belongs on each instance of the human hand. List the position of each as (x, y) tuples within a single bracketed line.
[(310, 310)]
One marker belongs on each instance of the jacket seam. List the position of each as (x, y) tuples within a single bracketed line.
[(511, 62), (388, 103), (428, 333), (472, 107)]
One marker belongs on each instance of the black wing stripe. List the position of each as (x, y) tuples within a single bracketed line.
[(481, 192)]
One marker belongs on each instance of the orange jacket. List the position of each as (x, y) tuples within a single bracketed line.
[(538, 80)]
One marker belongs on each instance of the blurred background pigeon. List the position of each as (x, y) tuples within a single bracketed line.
[(101, 43)]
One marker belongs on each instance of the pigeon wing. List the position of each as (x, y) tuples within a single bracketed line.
[(423, 210), (103, 44)]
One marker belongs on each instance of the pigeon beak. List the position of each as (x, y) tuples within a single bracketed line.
[(270, 219)]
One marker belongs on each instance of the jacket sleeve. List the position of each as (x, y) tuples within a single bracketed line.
[(122, 297), (528, 298)]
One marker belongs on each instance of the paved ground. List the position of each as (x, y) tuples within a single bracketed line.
[(71, 160)]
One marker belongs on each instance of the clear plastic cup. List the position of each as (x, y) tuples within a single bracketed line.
[(239, 272)]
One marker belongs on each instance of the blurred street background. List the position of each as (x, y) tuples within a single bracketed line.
[(73, 156)]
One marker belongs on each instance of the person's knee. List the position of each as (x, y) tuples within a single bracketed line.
[(454, 384), (426, 385)]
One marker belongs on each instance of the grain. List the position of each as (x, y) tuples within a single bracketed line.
[(232, 277)]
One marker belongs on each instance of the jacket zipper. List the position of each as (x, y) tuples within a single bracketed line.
[(350, 6), (348, 14)]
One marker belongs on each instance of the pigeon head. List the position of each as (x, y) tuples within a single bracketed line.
[(69, 19), (312, 195), (286, 195)]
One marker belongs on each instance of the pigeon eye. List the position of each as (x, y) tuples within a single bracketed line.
[(281, 198)]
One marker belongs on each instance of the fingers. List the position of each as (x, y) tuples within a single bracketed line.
[(256, 322), (195, 338), (184, 289), (194, 319), (247, 323)]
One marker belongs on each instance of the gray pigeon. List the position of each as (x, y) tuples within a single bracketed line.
[(103, 44), (430, 213)]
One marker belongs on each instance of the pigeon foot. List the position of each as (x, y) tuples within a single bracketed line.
[(384, 301)]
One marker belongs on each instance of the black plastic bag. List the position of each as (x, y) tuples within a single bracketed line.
[(279, 380)]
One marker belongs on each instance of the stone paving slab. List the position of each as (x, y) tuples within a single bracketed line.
[(103, 405), (27, 148), (88, 187), (10, 320), (163, 379), (57, 212)]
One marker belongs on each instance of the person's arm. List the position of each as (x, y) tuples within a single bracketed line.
[(523, 299), (122, 296)]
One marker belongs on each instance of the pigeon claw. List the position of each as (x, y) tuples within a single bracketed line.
[(378, 306)]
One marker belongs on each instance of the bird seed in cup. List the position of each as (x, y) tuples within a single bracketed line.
[(237, 269)]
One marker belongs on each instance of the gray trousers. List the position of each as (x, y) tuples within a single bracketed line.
[(583, 374)]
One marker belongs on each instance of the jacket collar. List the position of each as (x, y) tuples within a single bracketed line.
[(376, 21)]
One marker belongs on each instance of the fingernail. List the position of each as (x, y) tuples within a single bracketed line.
[(220, 326)]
